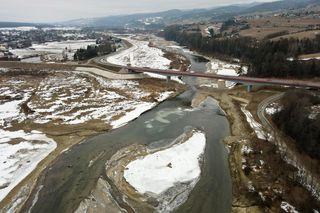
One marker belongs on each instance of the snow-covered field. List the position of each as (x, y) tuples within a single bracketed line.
[(55, 48), (159, 171), (62, 28), (23, 28), (54, 99), (80, 101), (10, 110), (141, 55), (20, 153)]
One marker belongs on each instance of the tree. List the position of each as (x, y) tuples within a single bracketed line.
[(294, 120)]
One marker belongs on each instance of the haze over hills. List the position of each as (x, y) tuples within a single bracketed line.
[(155, 20), (281, 5), (152, 20), (22, 24)]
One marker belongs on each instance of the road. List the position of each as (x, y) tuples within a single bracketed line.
[(96, 63), (262, 108), (238, 79), (102, 60), (306, 175)]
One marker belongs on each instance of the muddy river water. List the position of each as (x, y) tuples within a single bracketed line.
[(73, 175)]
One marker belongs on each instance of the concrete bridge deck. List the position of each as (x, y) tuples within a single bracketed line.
[(136, 72), (237, 79)]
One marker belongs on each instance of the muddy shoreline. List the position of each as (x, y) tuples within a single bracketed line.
[(66, 136), (268, 181), (215, 170)]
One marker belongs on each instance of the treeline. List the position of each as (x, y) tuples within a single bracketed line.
[(279, 58), (277, 64), (266, 58), (296, 121), (234, 47), (277, 34), (93, 51)]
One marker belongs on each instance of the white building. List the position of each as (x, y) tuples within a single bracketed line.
[(3, 47)]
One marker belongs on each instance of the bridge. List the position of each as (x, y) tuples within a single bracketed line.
[(238, 79), (108, 70)]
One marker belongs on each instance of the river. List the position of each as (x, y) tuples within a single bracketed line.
[(70, 179)]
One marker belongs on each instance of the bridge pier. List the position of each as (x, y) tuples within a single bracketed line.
[(249, 88), (168, 78)]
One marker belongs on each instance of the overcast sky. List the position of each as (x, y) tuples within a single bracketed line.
[(61, 10)]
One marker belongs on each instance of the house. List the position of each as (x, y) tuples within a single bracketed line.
[(3, 47)]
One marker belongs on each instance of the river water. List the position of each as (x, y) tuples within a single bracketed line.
[(70, 179)]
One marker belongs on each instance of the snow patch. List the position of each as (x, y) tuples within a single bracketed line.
[(157, 172), (251, 187), (223, 68), (135, 113), (23, 28), (54, 48), (273, 109), (246, 150), (163, 96), (141, 55), (257, 127), (288, 208), (19, 159)]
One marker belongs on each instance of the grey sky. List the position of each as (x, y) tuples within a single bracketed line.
[(60, 10)]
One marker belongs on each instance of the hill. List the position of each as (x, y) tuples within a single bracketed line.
[(21, 24), (281, 5), (160, 19)]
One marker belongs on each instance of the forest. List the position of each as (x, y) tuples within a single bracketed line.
[(267, 58), (296, 120), (93, 51)]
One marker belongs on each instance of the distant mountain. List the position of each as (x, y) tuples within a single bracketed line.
[(281, 5), (248, 5), (22, 24), (15, 24), (154, 20), (160, 19)]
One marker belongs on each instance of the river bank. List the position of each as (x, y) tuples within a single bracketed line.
[(151, 179), (67, 107), (262, 181), (79, 124)]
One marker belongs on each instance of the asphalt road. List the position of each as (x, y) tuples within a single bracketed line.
[(238, 79), (262, 108)]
